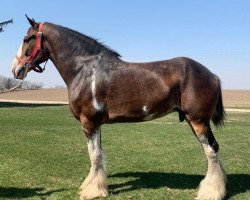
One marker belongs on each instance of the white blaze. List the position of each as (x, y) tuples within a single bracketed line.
[(15, 62)]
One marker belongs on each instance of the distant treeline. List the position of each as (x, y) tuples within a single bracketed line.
[(8, 83)]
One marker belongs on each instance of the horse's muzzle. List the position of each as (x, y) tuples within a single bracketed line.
[(19, 73)]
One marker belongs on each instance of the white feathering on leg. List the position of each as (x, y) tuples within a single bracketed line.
[(213, 186), (95, 185)]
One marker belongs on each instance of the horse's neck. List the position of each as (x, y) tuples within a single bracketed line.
[(62, 55)]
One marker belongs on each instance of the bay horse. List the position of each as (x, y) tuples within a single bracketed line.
[(102, 88)]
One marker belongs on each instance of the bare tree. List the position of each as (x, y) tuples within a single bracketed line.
[(8, 83), (3, 83), (4, 24)]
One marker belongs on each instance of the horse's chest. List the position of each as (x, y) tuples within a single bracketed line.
[(80, 99)]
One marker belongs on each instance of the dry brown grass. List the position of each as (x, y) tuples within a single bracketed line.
[(231, 98), (236, 98)]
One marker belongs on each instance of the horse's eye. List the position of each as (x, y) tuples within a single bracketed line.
[(25, 41)]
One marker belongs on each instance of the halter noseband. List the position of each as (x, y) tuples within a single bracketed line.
[(30, 61)]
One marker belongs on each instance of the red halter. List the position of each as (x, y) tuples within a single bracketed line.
[(29, 61)]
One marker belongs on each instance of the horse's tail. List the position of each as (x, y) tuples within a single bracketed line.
[(219, 115)]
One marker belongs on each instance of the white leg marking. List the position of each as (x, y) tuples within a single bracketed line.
[(95, 185), (213, 186), (97, 106)]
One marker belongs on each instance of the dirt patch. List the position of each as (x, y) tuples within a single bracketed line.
[(231, 98), (37, 95)]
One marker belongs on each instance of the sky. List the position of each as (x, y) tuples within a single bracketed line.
[(215, 33)]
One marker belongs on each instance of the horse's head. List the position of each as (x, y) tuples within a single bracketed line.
[(31, 52)]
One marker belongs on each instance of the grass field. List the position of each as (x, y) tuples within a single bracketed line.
[(43, 155)]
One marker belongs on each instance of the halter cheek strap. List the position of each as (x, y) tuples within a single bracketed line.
[(30, 61), (38, 42)]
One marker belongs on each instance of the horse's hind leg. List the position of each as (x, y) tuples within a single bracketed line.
[(95, 185), (213, 186)]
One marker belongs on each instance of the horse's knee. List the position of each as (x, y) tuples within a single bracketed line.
[(88, 126)]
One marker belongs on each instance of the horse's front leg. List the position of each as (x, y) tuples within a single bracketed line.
[(95, 185)]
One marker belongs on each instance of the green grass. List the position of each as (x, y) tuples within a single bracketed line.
[(43, 155)]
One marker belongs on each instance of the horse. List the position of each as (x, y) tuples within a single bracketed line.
[(102, 88)]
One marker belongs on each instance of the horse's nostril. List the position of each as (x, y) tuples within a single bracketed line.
[(20, 71)]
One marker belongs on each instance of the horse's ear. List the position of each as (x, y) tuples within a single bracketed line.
[(32, 22)]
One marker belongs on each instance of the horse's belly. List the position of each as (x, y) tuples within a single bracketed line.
[(139, 112)]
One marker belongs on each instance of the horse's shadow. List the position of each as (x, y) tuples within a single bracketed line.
[(24, 105), (237, 183), (20, 193)]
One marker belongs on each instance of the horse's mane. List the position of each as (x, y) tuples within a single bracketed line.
[(94, 46)]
